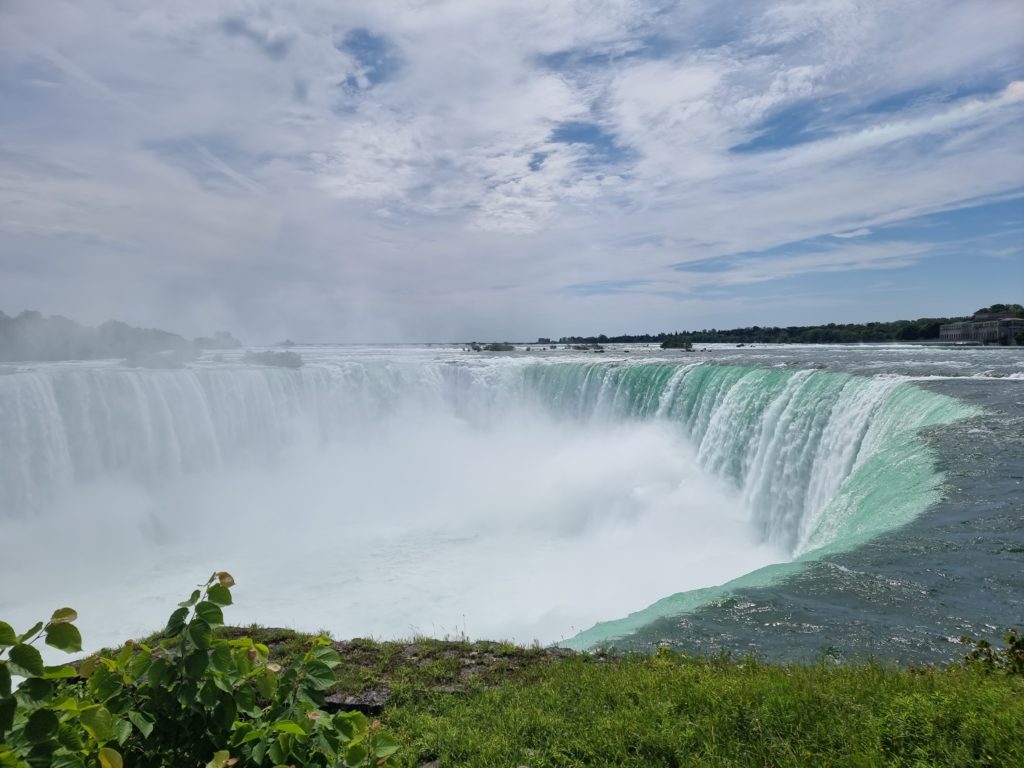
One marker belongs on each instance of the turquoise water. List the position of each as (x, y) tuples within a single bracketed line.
[(823, 460)]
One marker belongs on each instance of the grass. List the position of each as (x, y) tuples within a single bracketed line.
[(675, 712), (454, 703)]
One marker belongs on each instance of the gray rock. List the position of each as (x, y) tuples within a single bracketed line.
[(369, 702)]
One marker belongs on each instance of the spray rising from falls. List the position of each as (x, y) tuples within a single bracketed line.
[(820, 458), (490, 497)]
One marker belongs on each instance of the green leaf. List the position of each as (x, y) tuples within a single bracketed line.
[(25, 661), (318, 675), (87, 667), (384, 745), (185, 692), (139, 721), (122, 731), (210, 613), (176, 623), (41, 726), (110, 758), (125, 655), (267, 684), (7, 708), (65, 704), (327, 655), (105, 684), (245, 699), (5, 679), (59, 672), (255, 733), (157, 672), (196, 664), (141, 663), (225, 712), (220, 759), (223, 683), (359, 721), (7, 636), (208, 695), (26, 635), (35, 691), (70, 737), (277, 752), (63, 616), (64, 637), (193, 599), (220, 659), (356, 756), (287, 726), (68, 761), (98, 722), (219, 594), (200, 633)]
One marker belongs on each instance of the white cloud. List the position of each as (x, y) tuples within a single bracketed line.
[(165, 159)]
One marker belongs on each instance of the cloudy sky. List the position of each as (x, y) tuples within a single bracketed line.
[(503, 169)]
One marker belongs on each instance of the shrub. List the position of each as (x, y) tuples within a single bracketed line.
[(1009, 660), (186, 699)]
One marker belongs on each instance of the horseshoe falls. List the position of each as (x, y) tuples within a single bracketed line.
[(780, 500)]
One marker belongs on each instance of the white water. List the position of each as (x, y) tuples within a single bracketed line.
[(388, 498)]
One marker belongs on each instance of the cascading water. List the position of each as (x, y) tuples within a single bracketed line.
[(815, 460), (796, 443)]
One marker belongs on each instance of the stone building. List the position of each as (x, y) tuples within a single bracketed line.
[(985, 328)]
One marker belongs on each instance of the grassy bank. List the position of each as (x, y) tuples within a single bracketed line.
[(202, 694), (492, 704)]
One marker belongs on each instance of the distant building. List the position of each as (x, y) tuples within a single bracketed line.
[(985, 328)]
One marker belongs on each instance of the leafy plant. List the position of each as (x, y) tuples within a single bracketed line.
[(187, 699), (992, 659), (36, 724)]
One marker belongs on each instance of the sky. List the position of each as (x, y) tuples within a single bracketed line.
[(435, 170)]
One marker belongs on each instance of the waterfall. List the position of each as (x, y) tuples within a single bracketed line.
[(801, 446), (820, 457)]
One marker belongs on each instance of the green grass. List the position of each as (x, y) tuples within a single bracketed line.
[(460, 704), (672, 711)]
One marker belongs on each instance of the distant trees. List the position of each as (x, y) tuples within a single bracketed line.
[(926, 328), (1002, 309), (31, 336), (922, 329), (677, 342), (219, 340)]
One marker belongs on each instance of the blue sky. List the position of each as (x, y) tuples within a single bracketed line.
[(509, 169)]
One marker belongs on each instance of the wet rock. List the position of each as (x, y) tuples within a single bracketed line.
[(370, 702)]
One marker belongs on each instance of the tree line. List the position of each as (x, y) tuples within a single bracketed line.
[(31, 336), (922, 329)]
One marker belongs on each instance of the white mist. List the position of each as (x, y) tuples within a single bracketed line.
[(419, 522)]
